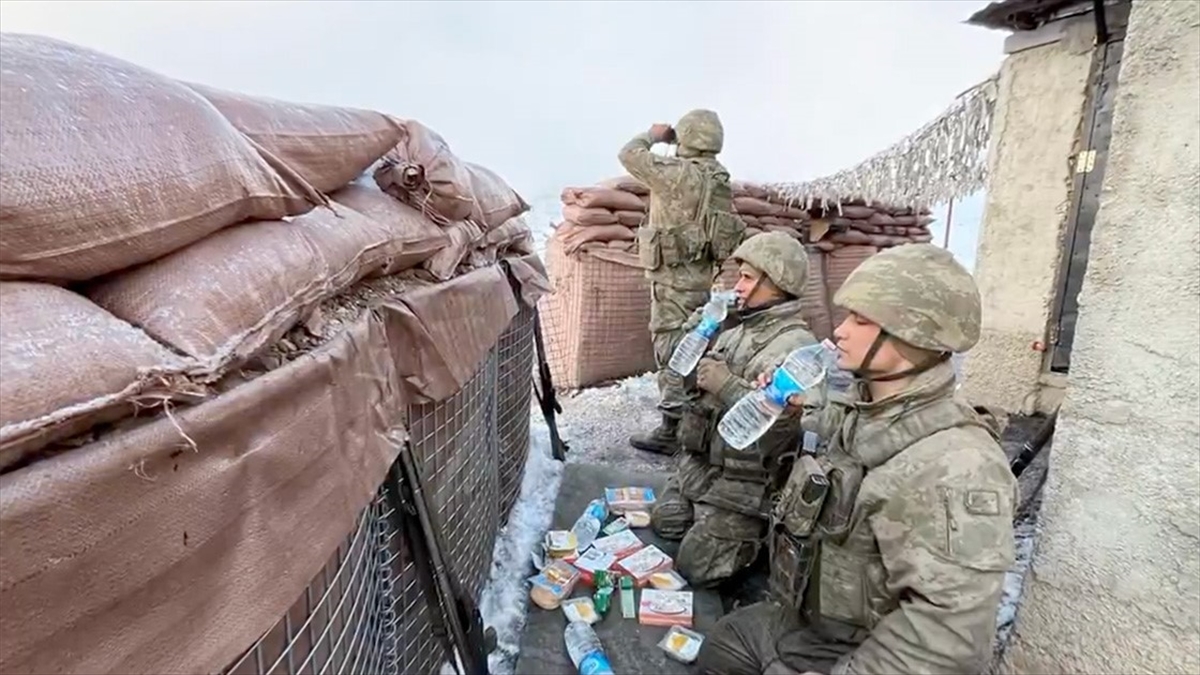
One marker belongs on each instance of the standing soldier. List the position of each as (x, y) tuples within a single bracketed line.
[(690, 231), (888, 552), (719, 498)]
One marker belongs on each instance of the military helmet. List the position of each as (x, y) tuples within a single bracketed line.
[(781, 258), (700, 130), (918, 293)]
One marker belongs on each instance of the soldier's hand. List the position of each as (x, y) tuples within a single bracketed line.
[(662, 133), (795, 402), (711, 375)]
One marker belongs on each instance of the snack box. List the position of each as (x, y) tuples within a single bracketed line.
[(644, 563), (665, 608), (591, 561), (637, 519), (681, 644), (667, 581), (620, 545), (625, 499), (580, 609), (618, 525), (549, 587)]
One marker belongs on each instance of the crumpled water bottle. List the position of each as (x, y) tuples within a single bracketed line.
[(586, 650), (587, 527), (693, 345), (753, 415)]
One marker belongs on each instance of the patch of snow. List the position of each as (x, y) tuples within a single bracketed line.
[(1025, 535)]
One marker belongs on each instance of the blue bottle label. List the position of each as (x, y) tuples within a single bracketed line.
[(782, 386), (595, 663), (707, 327)]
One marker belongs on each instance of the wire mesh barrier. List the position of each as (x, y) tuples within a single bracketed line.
[(367, 610)]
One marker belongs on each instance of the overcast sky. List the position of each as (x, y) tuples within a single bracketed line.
[(546, 92)]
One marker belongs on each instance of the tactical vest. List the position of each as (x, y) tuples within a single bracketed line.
[(810, 569), (755, 465), (711, 237)]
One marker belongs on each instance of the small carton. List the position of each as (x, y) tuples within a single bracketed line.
[(618, 525), (621, 500), (667, 581), (555, 582), (592, 561), (665, 608), (682, 644), (580, 609), (621, 544), (637, 519), (644, 563)]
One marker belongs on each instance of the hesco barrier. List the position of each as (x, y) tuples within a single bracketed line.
[(194, 562)]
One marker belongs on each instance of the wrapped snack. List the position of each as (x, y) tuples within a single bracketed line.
[(644, 563), (621, 500), (551, 585), (592, 561), (580, 609), (668, 581), (681, 644), (637, 519), (620, 545), (665, 608), (618, 525)]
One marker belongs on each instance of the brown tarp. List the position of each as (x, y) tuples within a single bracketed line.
[(172, 546)]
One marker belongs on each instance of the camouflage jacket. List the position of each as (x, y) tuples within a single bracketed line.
[(913, 566), (673, 245), (762, 340)]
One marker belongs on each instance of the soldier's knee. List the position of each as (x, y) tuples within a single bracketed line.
[(707, 558), (671, 519), (725, 652)]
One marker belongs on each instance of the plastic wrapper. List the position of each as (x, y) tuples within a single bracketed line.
[(681, 644), (580, 609), (669, 580), (549, 587), (621, 500)]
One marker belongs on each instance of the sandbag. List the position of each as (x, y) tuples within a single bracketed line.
[(575, 236), (228, 295), (839, 263), (744, 189), (755, 207), (603, 198), (626, 184), (581, 216), (630, 218), (328, 146), (414, 238), (66, 364), (463, 237), (108, 165), (789, 231), (423, 172), (815, 302), (855, 212), (881, 219)]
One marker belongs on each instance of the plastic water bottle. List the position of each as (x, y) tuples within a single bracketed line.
[(754, 414), (587, 527), (586, 650), (692, 346)]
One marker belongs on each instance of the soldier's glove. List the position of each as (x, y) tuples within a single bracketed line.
[(712, 375)]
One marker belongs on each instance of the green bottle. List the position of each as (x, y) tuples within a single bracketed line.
[(604, 589)]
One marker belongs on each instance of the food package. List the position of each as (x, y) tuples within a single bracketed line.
[(621, 500), (618, 525), (667, 581), (620, 545), (644, 563), (560, 544), (552, 584), (665, 608), (592, 561), (637, 519), (581, 609), (681, 644)]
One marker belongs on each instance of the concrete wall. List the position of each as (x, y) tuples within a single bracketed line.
[(1115, 583), (1038, 116)]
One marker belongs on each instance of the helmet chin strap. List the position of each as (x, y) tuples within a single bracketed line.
[(866, 374)]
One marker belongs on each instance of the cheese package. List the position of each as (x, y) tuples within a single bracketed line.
[(580, 609), (548, 587), (621, 500), (682, 644), (667, 581), (637, 519), (560, 543), (620, 545), (665, 608), (644, 563)]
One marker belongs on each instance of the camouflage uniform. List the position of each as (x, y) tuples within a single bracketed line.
[(900, 568), (718, 499), (690, 230)]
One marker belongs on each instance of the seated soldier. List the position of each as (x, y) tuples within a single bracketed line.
[(888, 551), (718, 499)]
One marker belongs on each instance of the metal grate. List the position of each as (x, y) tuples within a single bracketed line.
[(366, 611), (514, 389), (342, 623)]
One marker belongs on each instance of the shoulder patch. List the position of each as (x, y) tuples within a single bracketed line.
[(982, 502)]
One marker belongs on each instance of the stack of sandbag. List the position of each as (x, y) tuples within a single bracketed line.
[(193, 226), (857, 223)]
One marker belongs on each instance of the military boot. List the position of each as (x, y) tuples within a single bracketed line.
[(663, 440)]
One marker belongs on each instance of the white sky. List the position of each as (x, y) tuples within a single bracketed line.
[(546, 92)]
